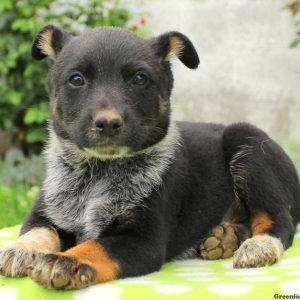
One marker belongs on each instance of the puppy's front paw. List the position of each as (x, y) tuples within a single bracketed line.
[(14, 262), (259, 251), (62, 272)]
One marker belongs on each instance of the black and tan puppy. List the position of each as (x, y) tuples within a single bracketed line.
[(127, 188)]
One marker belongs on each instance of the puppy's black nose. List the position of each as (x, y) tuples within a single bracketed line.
[(108, 123)]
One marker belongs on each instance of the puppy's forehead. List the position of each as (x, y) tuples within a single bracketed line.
[(107, 45)]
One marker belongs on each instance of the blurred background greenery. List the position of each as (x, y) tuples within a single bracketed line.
[(23, 93)]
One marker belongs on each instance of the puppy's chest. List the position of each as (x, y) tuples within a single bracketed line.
[(86, 202)]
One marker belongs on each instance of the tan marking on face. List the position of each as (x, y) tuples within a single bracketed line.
[(176, 47), (260, 222), (54, 107), (163, 105), (41, 239), (45, 43), (107, 113), (93, 254)]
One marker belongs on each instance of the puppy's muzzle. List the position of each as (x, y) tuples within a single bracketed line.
[(108, 123)]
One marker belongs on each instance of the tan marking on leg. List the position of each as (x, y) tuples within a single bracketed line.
[(163, 105), (43, 239), (260, 222), (94, 254), (221, 243), (79, 267), (16, 260), (258, 251)]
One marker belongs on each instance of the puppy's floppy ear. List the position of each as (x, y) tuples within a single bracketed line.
[(175, 43), (49, 42)]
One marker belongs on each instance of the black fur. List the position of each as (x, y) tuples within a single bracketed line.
[(199, 185)]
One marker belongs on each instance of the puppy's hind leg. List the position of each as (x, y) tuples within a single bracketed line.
[(226, 238), (223, 240), (266, 184)]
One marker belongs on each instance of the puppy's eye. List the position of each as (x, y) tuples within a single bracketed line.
[(140, 79), (76, 80)]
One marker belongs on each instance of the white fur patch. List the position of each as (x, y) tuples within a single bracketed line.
[(258, 251), (84, 194)]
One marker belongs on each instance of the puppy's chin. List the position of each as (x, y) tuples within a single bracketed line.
[(109, 151)]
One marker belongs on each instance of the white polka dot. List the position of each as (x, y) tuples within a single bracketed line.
[(172, 289), (193, 269), (138, 280), (5, 244), (5, 234), (205, 279), (8, 293), (228, 265), (288, 267), (227, 289), (291, 287), (104, 291), (188, 262), (289, 261), (246, 272), (259, 279), (294, 273), (194, 274)]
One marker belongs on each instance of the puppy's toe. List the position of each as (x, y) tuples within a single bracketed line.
[(220, 244), (15, 262), (42, 269), (258, 251), (62, 272)]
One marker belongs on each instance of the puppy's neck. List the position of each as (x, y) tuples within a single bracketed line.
[(163, 152)]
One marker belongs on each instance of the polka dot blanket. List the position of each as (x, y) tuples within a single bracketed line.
[(186, 279)]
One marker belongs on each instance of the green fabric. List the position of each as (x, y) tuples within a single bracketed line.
[(189, 279)]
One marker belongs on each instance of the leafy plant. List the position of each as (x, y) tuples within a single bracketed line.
[(294, 7), (15, 203), (23, 95)]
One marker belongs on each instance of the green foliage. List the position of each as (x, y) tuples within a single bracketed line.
[(23, 95), (15, 202), (294, 7), (19, 178)]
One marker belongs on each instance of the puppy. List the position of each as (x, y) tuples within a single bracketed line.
[(127, 188)]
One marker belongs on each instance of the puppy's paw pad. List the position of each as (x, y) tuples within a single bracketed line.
[(220, 244), (15, 262), (62, 272), (258, 251)]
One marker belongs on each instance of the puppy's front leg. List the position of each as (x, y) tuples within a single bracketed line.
[(98, 261), (15, 261), (37, 238)]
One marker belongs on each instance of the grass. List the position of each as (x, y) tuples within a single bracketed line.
[(17, 195)]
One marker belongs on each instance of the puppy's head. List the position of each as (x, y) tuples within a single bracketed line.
[(109, 89)]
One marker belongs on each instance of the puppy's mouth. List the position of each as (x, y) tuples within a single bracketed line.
[(108, 151)]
